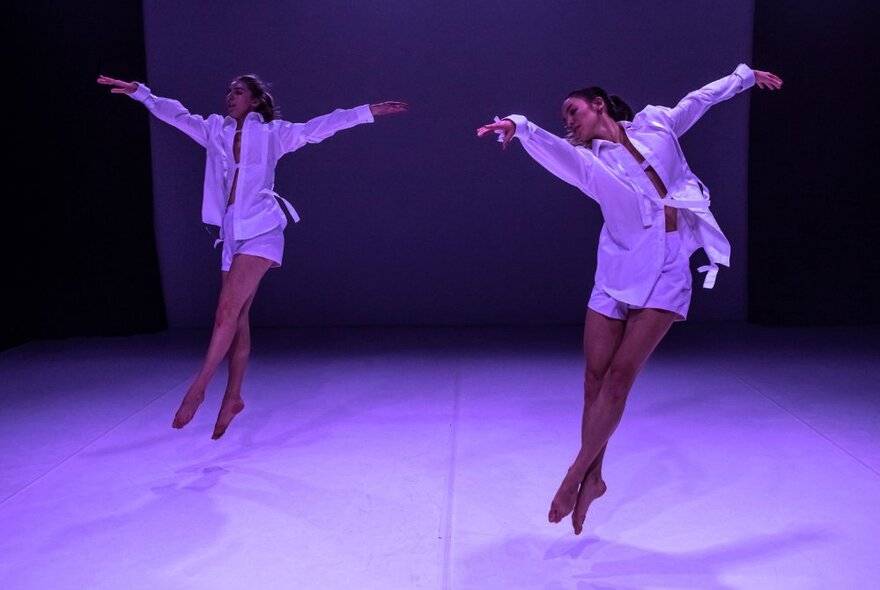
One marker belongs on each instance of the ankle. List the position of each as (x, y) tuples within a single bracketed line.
[(195, 393), (232, 397), (574, 475)]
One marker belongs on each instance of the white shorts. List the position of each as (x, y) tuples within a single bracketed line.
[(268, 245), (671, 292)]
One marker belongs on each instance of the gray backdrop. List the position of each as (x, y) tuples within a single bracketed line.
[(412, 220)]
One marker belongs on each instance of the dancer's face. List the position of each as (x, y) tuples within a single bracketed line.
[(582, 118), (239, 100)]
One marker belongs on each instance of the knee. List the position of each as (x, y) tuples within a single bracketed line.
[(618, 380), (241, 347), (244, 326), (227, 312), (243, 334), (592, 386)]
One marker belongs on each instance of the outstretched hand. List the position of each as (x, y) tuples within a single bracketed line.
[(119, 87), (389, 107), (505, 127), (766, 80)]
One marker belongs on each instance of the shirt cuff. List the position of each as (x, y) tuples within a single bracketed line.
[(364, 115), (141, 94), (522, 126), (746, 74)]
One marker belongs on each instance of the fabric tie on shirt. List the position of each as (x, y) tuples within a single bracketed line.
[(647, 213), (271, 193), (290, 209), (711, 271), (681, 204), (501, 134)]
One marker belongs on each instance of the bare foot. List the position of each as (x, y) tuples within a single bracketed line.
[(187, 409), (564, 500), (592, 487), (228, 411)]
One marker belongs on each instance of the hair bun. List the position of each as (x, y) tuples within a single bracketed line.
[(620, 111), (616, 107)]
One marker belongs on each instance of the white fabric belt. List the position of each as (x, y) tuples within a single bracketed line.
[(711, 271), (290, 209), (271, 193), (681, 204)]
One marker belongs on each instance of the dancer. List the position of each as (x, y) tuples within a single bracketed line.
[(656, 214), (242, 150)]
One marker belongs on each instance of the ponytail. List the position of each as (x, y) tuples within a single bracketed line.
[(616, 107)]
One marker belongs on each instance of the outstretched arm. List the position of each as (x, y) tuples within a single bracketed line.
[(693, 106), (555, 154), (389, 107), (167, 110), (295, 135)]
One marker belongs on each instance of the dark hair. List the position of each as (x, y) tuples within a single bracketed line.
[(259, 91), (617, 108)]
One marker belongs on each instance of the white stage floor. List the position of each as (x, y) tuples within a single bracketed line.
[(396, 459)]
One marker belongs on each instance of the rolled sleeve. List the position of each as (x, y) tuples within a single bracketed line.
[(364, 114), (141, 94), (522, 126), (746, 74)]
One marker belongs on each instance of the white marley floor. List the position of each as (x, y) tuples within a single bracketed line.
[(749, 458)]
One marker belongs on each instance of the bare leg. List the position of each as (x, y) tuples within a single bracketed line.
[(239, 352), (644, 329), (241, 282), (602, 338)]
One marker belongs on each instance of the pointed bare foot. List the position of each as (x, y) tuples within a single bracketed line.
[(592, 487), (228, 411), (564, 500), (187, 409)]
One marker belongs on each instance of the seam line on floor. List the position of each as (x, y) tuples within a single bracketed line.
[(815, 430), (450, 485), (91, 442)]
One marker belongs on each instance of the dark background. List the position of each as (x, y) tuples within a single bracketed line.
[(813, 202), (79, 226), (412, 220)]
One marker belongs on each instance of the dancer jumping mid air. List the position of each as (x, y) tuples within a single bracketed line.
[(243, 148), (656, 214)]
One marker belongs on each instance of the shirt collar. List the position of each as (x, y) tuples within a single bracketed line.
[(599, 144), (251, 116)]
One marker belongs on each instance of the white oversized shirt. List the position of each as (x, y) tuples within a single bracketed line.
[(631, 243), (262, 145)]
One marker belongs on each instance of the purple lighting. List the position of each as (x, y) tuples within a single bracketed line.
[(416, 458)]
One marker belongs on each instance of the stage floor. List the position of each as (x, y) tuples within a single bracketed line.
[(396, 459)]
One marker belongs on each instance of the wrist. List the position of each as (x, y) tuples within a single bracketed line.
[(519, 126), (140, 92)]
